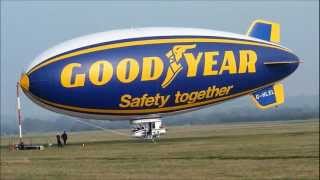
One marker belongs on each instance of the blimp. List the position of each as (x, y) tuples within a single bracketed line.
[(145, 74)]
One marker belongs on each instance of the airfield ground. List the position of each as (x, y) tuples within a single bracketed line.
[(270, 150)]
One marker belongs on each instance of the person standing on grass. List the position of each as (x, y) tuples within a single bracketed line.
[(58, 140), (64, 137)]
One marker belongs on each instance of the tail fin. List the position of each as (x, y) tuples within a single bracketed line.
[(265, 30), (269, 96)]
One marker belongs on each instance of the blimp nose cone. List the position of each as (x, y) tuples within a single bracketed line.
[(24, 82)]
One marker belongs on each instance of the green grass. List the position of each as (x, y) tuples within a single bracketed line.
[(271, 150)]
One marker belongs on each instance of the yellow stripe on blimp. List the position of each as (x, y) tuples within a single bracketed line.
[(148, 42)]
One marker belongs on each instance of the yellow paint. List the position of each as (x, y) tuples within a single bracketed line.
[(127, 70), (150, 64), (209, 63), (279, 93), (24, 82), (228, 63), (66, 76), (106, 72), (248, 59), (192, 63), (275, 33)]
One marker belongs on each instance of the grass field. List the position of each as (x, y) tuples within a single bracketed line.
[(270, 150)]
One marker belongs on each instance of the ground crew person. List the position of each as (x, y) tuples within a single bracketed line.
[(64, 137), (58, 140)]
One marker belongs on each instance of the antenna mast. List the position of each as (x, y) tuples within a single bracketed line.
[(19, 112)]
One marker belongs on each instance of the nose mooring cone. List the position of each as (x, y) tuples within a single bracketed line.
[(24, 82)]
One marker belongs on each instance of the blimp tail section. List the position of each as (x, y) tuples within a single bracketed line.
[(269, 97), (265, 30)]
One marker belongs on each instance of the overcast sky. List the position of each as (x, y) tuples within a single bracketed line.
[(29, 28)]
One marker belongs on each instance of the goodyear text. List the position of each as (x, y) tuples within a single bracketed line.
[(152, 68)]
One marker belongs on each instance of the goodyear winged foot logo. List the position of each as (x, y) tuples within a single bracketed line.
[(174, 56)]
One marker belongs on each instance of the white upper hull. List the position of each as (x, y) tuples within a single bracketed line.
[(115, 35)]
